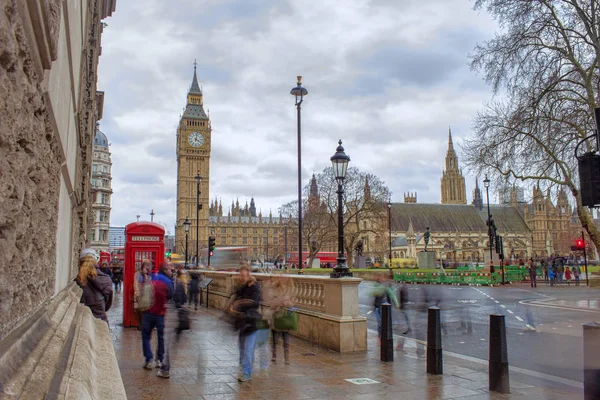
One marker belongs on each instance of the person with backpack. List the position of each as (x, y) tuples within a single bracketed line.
[(154, 317), (140, 302)]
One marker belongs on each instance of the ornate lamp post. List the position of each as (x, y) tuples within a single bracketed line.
[(186, 227), (198, 179), (486, 183), (340, 165), (299, 92), (389, 204)]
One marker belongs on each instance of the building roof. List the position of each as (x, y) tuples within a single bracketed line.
[(100, 139), (195, 88), (455, 218), (195, 111)]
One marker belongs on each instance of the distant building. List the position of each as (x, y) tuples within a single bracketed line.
[(116, 237), (101, 191), (453, 183), (170, 243), (506, 190)]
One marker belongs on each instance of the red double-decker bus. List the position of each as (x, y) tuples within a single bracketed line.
[(323, 256)]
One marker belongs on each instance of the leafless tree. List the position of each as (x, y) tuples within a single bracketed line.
[(543, 68)]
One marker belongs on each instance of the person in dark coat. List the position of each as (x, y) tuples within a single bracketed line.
[(97, 287), (117, 277), (194, 290), (245, 309)]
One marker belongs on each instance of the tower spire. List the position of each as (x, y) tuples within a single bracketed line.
[(450, 144), (195, 88)]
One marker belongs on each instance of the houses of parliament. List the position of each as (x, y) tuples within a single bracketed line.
[(458, 230)]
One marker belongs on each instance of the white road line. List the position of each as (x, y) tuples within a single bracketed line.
[(497, 302), (502, 305), (510, 312), (519, 318), (491, 298)]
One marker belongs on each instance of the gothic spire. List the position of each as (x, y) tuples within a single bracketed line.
[(195, 88), (450, 144)]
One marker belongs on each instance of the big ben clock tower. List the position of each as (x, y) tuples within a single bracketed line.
[(193, 159)]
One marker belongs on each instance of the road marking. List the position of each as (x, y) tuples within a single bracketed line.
[(569, 326), (502, 305), (461, 342), (483, 340), (497, 302), (510, 312), (519, 318)]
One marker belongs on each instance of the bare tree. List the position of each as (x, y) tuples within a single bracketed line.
[(543, 69), (365, 205)]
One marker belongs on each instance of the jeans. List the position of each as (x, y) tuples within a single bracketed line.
[(194, 298), (533, 279), (247, 345), (377, 311), (149, 322), (262, 344)]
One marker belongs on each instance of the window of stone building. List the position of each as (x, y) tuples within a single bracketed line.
[(254, 240), (233, 230), (223, 241), (223, 230), (244, 230), (93, 235), (103, 235), (233, 240), (94, 168), (266, 231), (245, 240), (255, 230), (276, 240)]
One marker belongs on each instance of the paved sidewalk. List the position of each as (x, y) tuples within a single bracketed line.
[(205, 365)]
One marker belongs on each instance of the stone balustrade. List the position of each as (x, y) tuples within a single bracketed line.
[(327, 308)]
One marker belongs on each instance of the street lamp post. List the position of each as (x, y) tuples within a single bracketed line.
[(299, 92), (186, 227), (340, 165), (198, 179), (390, 228), (486, 183)]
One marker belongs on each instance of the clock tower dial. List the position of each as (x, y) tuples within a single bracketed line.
[(193, 159), (196, 139)]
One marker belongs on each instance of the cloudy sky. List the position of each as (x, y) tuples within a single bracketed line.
[(386, 76)]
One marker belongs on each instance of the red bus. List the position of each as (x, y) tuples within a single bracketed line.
[(323, 256), (104, 257)]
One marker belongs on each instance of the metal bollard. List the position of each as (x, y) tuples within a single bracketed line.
[(591, 363), (498, 363), (434, 342), (387, 338)]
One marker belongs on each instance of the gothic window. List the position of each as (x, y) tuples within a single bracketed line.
[(233, 240), (223, 230), (244, 230), (223, 241), (254, 240), (245, 240)]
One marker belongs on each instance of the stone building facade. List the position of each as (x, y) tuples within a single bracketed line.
[(48, 111), (101, 192)]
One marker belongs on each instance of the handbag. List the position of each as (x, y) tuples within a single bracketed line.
[(286, 320), (145, 301), (184, 319)]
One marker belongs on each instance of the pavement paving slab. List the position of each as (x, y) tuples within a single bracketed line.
[(205, 366)]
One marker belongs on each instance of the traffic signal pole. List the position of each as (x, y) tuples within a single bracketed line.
[(587, 279)]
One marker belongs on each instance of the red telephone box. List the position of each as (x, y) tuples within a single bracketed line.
[(143, 241), (104, 257)]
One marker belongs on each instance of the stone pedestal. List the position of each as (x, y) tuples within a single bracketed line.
[(426, 259), (360, 262)]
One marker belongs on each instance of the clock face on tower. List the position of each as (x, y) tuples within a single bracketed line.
[(196, 139)]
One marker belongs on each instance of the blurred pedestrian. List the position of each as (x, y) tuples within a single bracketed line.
[(154, 317), (105, 269), (551, 275), (568, 276), (532, 273), (382, 293), (97, 287), (245, 309), (117, 277), (576, 274), (175, 315), (277, 297), (194, 290), (141, 277), (403, 296), (545, 269)]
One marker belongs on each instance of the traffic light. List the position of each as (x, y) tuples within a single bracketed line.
[(579, 245), (589, 179), (167, 253), (498, 244), (211, 244)]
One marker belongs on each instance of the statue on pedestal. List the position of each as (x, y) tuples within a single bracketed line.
[(359, 248), (426, 236)]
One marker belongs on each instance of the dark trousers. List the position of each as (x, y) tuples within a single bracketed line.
[(149, 322), (194, 298), (286, 344), (533, 279)]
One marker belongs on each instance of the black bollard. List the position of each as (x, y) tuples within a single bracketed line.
[(591, 362), (434, 342), (498, 368), (387, 338)]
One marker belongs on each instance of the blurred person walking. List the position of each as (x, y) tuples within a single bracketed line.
[(245, 309), (382, 293), (176, 319), (194, 290), (154, 317), (532, 273), (576, 274), (117, 277), (141, 277), (277, 296), (97, 287)]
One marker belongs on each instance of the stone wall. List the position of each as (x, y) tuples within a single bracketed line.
[(48, 60)]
